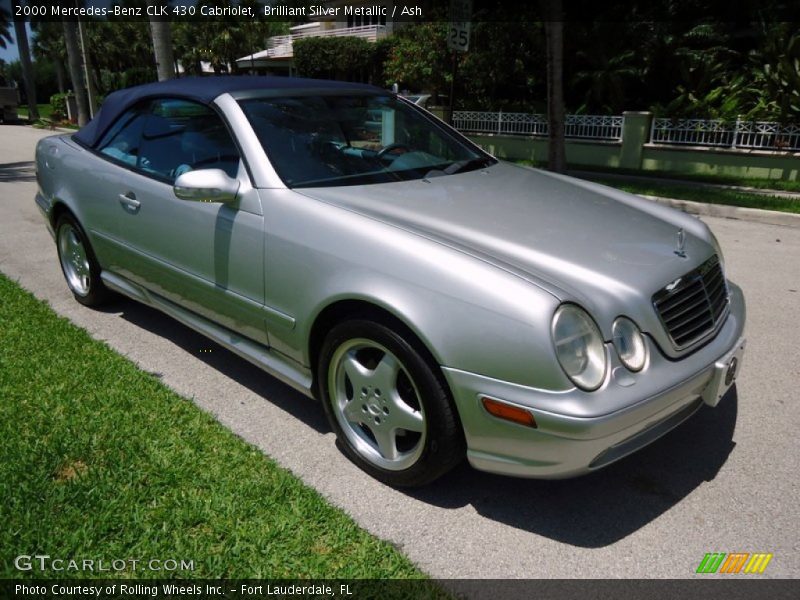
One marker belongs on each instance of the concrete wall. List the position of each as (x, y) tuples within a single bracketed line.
[(510, 147), (712, 161)]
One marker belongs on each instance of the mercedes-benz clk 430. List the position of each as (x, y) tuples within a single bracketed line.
[(438, 302)]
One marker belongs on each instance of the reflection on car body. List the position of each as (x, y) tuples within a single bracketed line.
[(438, 302)]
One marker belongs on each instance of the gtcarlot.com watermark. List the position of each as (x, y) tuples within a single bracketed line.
[(46, 563)]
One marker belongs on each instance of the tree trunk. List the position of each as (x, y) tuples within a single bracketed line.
[(74, 63), (59, 74), (554, 35), (162, 48), (27, 69), (87, 72)]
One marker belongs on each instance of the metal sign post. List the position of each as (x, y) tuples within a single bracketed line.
[(459, 28), (458, 32)]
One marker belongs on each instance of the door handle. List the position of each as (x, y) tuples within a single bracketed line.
[(129, 201)]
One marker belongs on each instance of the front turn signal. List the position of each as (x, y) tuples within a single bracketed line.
[(507, 412)]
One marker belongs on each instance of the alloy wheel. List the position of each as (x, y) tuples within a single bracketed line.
[(377, 404), (74, 260)]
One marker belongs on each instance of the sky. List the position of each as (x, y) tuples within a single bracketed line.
[(10, 53)]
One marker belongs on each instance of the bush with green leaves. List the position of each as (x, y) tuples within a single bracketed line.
[(344, 58), (58, 102)]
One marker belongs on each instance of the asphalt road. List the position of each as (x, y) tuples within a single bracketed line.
[(726, 481)]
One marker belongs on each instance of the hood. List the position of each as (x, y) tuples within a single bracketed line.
[(608, 250)]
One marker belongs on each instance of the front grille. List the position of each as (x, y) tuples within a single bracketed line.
[(695, 305)]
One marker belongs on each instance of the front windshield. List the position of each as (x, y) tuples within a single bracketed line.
[(319, 141)]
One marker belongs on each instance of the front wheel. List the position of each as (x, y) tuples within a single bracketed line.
[(391, 414)]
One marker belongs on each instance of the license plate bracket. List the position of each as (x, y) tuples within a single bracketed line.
[(726, 369)]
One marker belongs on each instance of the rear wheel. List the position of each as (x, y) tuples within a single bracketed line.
[(78, 263), (392, 415)]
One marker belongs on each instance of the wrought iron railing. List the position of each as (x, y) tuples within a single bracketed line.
[(593, 127), (764, 135), (499, 122)]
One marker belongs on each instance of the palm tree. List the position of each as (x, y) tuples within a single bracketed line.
[(774, 68), (74, 62), (605, 77), (162, 47), (109, 54), (221, 41), (49, 45), (27, 68), (554, 35), (5, 34)]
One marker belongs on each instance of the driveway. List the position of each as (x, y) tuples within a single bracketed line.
[(726, 481)]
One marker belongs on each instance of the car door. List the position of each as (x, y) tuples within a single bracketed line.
[(207, 257)]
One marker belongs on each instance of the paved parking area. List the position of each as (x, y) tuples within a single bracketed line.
[(726, 481)]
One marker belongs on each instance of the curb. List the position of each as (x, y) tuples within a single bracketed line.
[(687, 182), (768, 217)]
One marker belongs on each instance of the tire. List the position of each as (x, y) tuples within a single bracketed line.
[(78, 263), (392, 415)]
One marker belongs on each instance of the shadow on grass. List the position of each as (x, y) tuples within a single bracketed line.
[(591, 511), (223, 360)]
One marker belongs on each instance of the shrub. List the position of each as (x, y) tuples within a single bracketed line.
[(58, 102), (344, 58)]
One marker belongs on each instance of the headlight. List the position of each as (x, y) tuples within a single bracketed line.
[(579, 347), (629, 342)]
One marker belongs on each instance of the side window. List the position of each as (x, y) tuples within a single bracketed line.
[(180, 136), (121, 142), (166, 138)]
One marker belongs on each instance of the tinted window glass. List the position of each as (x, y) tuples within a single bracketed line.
[(121, 142), (181, 136), (355, 139), (166, 138)]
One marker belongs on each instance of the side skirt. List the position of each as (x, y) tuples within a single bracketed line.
[(280, 367)]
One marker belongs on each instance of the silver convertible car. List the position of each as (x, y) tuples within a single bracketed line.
[(438, 302)]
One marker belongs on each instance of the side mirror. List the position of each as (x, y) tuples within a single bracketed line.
[(206, 185)]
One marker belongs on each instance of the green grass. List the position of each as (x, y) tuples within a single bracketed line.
[(671, 176), (754, 182), (45, 114), (100, 460), (45, 110), (703, 194), (663, 185)]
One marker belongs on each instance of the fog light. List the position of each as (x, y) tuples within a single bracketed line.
[(501, 410)]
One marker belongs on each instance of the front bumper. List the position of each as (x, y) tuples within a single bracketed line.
[(575, 441), (45, 208)]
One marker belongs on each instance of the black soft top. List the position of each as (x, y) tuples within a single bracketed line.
[(199, 89)]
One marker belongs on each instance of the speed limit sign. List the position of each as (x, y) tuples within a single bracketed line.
[(458, 29), (458, 36)]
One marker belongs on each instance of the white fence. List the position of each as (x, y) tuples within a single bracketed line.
[(283, 45), (593, 127), (762, 135), (717, 133)]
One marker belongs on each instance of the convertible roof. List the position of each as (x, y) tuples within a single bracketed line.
[(200, 89)]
